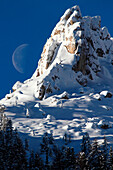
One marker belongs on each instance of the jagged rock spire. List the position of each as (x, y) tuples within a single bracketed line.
[(81, 41)]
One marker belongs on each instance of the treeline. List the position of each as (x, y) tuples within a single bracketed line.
[(16, 155)]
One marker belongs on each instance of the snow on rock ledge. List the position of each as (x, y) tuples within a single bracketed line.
[(106, 94), (17, 85)]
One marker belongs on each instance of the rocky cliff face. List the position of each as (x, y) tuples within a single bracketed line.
[(78, 42)]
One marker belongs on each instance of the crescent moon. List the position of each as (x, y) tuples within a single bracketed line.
[(18, 58)]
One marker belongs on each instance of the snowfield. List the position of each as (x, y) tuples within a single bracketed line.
[(85, 111)]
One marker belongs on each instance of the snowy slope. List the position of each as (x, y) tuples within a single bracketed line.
[(71, 89)]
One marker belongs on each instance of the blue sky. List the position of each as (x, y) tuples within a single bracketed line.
[(31, 22)]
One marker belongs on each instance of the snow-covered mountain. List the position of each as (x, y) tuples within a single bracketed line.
[(71, 89)]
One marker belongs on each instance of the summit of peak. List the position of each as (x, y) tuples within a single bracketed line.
[(72, 14)]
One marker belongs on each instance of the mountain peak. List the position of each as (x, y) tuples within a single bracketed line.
[(78, 43), (72, 14), (73, 56)]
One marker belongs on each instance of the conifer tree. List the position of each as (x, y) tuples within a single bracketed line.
[(85, 145), (2, 151), (8, 132), (8, 137), (69, 136), (88, 144), (12, 152), (105, 154), (82, 161), (4, 121), (31, 161), (65, 138), (95, 156), (58, 160), (38, 162), (69, 158), (26, 144), (73, 158), (51, 139), (46, 148), (110, 159)]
